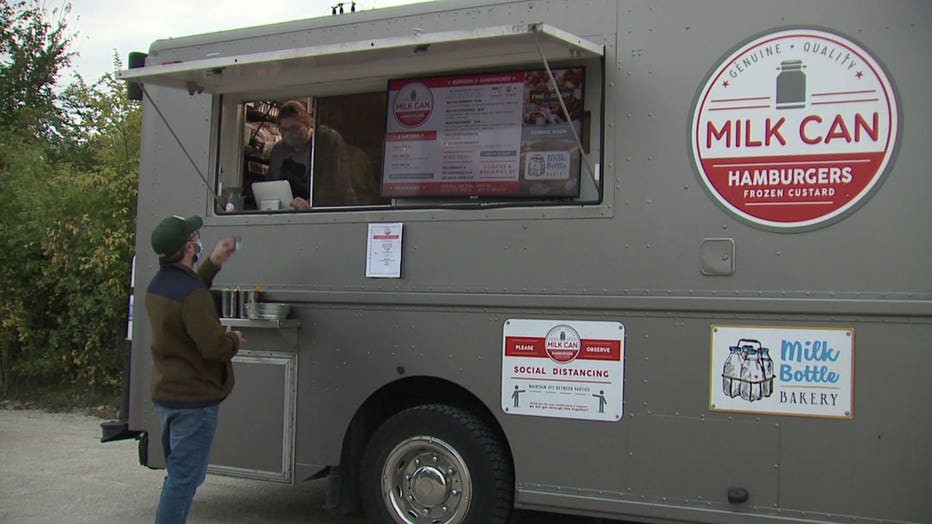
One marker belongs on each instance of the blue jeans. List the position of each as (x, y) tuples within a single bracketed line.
[(186, 438)]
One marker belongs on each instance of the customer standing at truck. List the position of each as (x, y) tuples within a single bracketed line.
[(304, 147), (191, 352)]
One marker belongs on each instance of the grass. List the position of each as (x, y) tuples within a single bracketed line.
[(102, 402)]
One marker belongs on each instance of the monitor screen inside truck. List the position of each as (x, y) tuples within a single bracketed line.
[(500, 134)]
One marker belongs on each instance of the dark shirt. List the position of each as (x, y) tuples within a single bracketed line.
[(332, 185)]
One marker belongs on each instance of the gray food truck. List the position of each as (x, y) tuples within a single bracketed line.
[(648, 259)]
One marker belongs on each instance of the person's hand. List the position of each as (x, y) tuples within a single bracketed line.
[(239, 337), (300, 204), (223, 251)]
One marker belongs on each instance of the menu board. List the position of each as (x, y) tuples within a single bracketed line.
[(497, 134)]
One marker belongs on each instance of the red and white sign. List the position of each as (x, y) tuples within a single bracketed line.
[(563, 369), (383, 250), (794, 129)]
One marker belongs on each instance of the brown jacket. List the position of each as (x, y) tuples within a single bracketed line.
[(191, 351)]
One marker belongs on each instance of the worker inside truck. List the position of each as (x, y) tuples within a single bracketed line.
[(283, 140)]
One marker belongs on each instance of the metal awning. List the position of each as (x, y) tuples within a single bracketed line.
[(392, 57)]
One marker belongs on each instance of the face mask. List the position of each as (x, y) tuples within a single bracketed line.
[(295, 138), (200, 247)]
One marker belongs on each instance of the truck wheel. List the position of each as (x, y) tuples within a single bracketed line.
[(436, 464)]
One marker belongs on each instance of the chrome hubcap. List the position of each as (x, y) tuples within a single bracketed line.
[(429, 487), (425, 480)]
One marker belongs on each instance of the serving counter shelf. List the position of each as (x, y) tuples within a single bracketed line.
[(260, 323)]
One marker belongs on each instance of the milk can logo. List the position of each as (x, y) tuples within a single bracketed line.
[(562, 344), (413, 104), (794, 129)]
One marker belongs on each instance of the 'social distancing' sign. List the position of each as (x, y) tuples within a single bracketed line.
[(794, 129), (563, 369)]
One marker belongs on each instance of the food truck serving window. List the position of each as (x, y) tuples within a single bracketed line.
[(514, 137), (484, 135)]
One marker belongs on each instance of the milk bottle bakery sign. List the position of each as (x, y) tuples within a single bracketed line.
[(794, 129), (782, 370)]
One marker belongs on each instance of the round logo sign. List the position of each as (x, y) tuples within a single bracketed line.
[(562, 344), (413, 104), (794, 129)]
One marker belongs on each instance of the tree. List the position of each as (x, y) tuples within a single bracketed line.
[(33, 50), (68, 179)]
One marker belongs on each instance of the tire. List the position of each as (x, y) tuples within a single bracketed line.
[(436, 464)]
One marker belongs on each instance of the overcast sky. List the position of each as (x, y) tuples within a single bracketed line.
[(131, 25)]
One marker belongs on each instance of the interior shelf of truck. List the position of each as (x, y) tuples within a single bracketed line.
[(418, 53)]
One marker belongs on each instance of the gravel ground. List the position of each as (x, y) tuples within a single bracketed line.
[(54, 469)]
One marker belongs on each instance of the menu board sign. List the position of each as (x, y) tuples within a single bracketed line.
[(498, 134)]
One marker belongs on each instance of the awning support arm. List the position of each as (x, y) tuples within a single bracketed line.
[(566, 114)]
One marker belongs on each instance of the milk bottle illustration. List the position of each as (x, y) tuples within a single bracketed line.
[(767, 365), (748, 371), (536, 166), (752, 376), (731, 372)]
